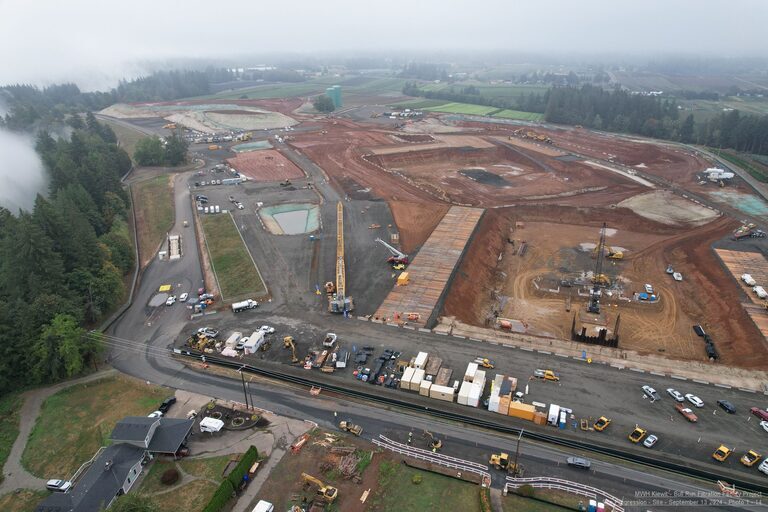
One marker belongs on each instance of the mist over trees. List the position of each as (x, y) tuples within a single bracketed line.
[(62, 264)]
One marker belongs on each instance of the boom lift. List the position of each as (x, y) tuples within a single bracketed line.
[(397, 258), (324, 492), (338, 302)]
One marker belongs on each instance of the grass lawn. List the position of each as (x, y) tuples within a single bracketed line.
[(209, 467), (126, 137), (417, 104), (9, 425), (76, 421), (756, 173), (235, 271), (515, 503), (517, 114), (463, 108), (153, 201), (436, 492), (24, 500), (151, 482), (192, 496)]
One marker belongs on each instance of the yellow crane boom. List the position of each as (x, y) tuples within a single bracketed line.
[(340, 302)]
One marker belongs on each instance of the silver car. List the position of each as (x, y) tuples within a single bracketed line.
[(676, 394), (694, 400), (650, 441), (652, 394), (579, 462)]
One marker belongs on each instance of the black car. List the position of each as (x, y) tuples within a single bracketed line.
[(699, 330), (166, 405), (727, 406)]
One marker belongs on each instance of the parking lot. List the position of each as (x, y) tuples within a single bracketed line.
[(589, 390)]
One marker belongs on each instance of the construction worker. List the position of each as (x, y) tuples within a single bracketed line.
[(410, 438)]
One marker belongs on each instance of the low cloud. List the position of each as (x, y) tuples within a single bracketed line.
[(22, 175)]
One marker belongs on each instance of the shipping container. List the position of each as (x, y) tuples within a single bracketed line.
[(421, 360), (479, 377), (513, 384), (539, 418), (475, 391), (493, 403), (433, 366), (424, 387), (504, 402), (470, 373), (445, 393), (405, 382), (443, 377), (464, 392), (418, 376), (523, 411)]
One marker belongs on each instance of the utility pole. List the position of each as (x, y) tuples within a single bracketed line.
[(517, 452), (245, 393)]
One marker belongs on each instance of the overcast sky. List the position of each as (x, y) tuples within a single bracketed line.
[(92, 42)]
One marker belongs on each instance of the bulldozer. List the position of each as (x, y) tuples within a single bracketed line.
[(289, 343), (434, 443), (501, 461), (324, 492), (602, 279), (348, 426)]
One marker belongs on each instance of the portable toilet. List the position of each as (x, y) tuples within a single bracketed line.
[(592, 506)]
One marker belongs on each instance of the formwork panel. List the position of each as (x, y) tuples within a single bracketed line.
[(755, 264), (432, 268)]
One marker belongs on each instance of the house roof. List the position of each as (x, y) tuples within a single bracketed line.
[(132, 428), (170, 435), (99, 484)]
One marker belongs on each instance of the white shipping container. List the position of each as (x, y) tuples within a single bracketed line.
[(474, 395), (493, 403), (445, 393), (464, 392), (470, 373), (418, 376), (421, 360), (479, 376), (405, 382), (424, 387)]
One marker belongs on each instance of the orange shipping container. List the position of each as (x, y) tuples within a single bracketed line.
[(540, 418), (504, 402), (524, 411)]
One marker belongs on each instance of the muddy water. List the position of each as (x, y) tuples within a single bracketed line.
[(293, 222)]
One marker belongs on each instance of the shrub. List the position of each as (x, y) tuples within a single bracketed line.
[(170, 476), (485, 499), (221, 497), (416, 479), (526, 491), (250, 456)]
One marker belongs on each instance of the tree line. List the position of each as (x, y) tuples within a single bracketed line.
[(620, 111), (152, 151), (62, 264), (29, 105)]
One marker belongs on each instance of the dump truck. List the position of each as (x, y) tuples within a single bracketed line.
[(501, 461), (348, 426)]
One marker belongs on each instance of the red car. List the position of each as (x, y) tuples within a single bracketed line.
[(763, 415)]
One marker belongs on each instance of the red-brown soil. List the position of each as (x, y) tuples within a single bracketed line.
[(416, 221), (265, 165)]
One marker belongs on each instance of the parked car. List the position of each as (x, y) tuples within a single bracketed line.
[(183, 297), (687, 413), (727, 406), (241, 344), (209, 332), (763, 466), (58, 485), (651, 393), (240, 206), (694, 400), (764, 424), (166, 405), (676, 394), (650, 441), (171, 300), (722, 453), (579, 462), (156, 414), (266, 329), (760, 413)]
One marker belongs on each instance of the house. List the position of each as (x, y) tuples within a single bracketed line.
[(135, 440)]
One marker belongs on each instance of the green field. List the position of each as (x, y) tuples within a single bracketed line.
[(376, 86), (487, 90), (463, 108), (435, 492), (517, 114), (745, 164), (418, 104), (235, 270), (76, 421), (153, 201), (9, 425)]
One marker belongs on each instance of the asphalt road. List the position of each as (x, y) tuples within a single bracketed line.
[(143, 334)]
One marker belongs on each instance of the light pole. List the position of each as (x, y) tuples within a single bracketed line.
[(517, 452), (245, 393)]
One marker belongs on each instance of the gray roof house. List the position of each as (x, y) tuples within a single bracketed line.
[(117, 467)]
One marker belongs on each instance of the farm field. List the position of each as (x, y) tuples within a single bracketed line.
[(417, 104), (463, 108)]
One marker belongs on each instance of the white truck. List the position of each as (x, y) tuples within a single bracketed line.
[(760, 291), (243, 305), (748, 279)]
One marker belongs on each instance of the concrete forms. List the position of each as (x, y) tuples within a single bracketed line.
[(755, 264), (432, 269)]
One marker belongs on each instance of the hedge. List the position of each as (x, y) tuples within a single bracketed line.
[(485, 499), (221, 497), (250, 456)]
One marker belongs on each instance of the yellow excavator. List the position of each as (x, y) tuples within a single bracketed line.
[(324, 492), (290, 344), (434, 443)]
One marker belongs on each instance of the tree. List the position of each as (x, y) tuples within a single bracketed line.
[(686, 129), (175, 150), (324, 103), (149, 152)]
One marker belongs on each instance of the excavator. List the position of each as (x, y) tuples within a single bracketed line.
[(324, 492), (398, 259), (289, 343), (434, 443), (501, 461)]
